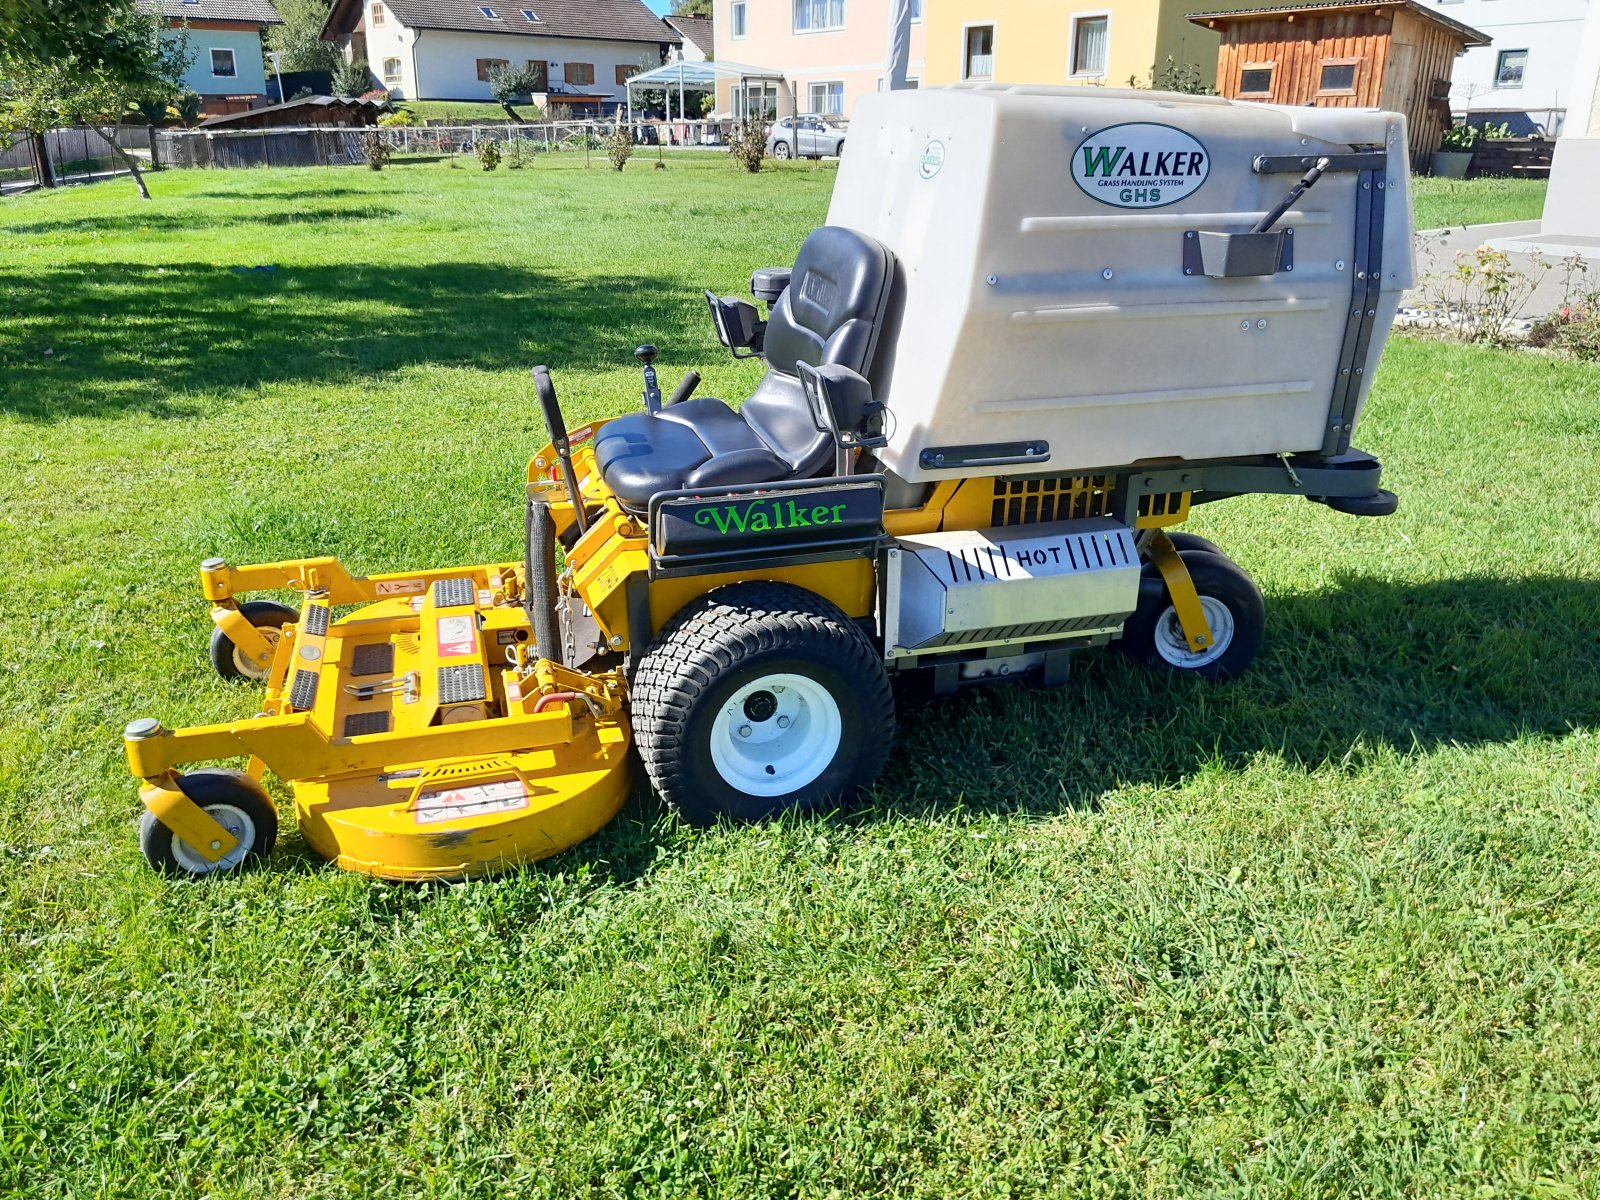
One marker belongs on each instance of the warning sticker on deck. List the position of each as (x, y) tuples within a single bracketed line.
[(457, 637), (474, 800), (400, 587)]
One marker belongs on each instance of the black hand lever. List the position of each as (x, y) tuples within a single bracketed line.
[(646, 355), (1298, 190), (685, 388), (557, 427)]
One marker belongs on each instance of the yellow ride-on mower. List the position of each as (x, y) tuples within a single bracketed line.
[(1039, 326)]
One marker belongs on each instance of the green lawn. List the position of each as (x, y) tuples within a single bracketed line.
[(1330, 931), (1444, 202)]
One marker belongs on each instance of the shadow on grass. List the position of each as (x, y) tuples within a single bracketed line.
[(185, 222), (121, 335)]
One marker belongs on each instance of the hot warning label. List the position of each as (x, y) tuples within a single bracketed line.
[(457, 637), (475, 800)]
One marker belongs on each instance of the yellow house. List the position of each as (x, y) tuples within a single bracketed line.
[(1113, 42)]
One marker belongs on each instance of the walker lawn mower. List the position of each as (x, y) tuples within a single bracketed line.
[(1039, 325)]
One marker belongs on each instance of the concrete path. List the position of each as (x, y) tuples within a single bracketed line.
[(1437, 249)]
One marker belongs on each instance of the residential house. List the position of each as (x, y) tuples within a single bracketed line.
[(1525, 76), (830, 52), (228, 73), (699, 40), (580, 51), (1393, 54), (1116, 43)]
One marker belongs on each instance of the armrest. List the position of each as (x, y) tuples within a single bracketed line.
[(768, 283), (738, 325)]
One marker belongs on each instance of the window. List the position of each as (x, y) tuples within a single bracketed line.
[(378, 15), (488, 12), (485, 65), (1090, 38), (1509, 68), (579, 74), (1338, 75), (738, 18), (540, 69), (756, 100), (1256, 80), (529, 15), (222, 64), (625, 73), (391, 70), (978, 57), (825, 98), (812, 16), (916, 10)]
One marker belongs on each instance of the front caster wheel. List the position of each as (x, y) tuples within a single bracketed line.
[(237, 802), (266, 615), (761, 698), (1233, 608)]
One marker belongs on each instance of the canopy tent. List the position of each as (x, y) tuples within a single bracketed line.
[(682, 77)]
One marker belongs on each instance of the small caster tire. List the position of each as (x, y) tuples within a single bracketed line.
[(1193, 541), (266, 615), (238, 803), (759, 699), (1233, 607)]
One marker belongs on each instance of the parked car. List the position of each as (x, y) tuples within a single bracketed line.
[(817, 136)]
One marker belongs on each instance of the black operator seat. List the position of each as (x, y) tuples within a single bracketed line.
[(831, 313)]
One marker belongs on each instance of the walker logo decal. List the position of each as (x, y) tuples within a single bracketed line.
[(932, 159), (762, 516), (1140, 166), (844, 513)]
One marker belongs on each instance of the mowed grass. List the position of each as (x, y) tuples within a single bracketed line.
[(1332, 930), (1441, 203)]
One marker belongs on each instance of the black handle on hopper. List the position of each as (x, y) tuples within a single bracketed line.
[(1298, 190), (546, 391)]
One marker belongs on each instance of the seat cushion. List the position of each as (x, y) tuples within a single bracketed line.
[(643, 453)]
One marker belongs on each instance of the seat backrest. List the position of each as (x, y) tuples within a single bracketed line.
[(834, 305)]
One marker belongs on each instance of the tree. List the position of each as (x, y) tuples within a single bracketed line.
[(692, 8), (96, 33), (351, 79), (510, 84), (90, 76), (299, 38)]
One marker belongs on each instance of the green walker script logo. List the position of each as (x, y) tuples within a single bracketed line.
[(1140, 165), (766, 516)]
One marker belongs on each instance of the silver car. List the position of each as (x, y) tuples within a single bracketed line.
[(813, 136)]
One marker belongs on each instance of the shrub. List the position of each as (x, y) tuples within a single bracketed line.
[(375, 94), (1460, 139), (1482, 295), (748, 144), (378, 151), (619, 147), (353, 78), (399, 119), (488, 154), (518, 155)]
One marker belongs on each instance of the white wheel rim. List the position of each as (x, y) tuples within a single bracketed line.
[(776, 735), (1174, 647), (246, 665), (237, 822)]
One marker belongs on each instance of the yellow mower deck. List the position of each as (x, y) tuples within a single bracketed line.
[(421, 737)]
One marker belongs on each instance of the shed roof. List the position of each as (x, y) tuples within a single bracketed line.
[(1469, 35), (303, 105), (606, 20), (694, 29), (213, 10)]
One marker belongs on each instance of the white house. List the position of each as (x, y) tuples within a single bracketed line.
[(581, 51), (699, 41), (1526, 72), (227, 73)]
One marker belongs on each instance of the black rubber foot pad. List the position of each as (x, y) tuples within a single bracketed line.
[(317, 620), (462, 684), (303, 694), (357, 724), (454, 593), (374, 659)]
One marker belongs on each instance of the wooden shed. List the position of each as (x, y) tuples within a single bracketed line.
[(1393, 54)]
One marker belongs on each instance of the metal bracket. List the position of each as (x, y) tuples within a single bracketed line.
[(991, 454), (204, 834), (1180, 587), (1194, 260), (1288, 164), (1366, 274)]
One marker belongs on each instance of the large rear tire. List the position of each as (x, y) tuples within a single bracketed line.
[(761, 698)]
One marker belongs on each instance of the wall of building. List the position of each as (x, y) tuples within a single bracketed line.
[(853, 56), (446, 63), (1549, 30), (250, 79), (1033, 39)]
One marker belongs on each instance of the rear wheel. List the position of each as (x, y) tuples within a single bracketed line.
[(1233, 608), (1193, 541), (237, 802), (760, 698), (266, 615)]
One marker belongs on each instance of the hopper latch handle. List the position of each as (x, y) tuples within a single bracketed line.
[(1298, 190)]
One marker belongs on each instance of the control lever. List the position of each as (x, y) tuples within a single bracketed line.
[(646, 355), (685, 388), (550, 408), (1267, 222)]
